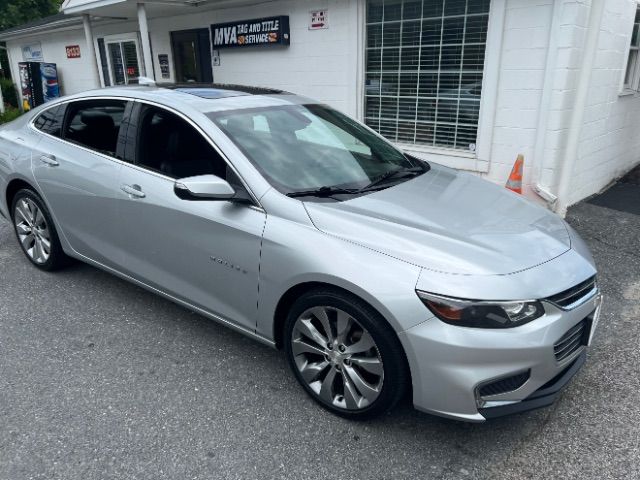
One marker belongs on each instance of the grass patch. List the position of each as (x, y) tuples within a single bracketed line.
[(9, 115)]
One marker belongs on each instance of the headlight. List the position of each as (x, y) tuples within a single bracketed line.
[(481, 314)]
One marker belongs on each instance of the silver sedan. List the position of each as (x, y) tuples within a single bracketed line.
[(377, 273)]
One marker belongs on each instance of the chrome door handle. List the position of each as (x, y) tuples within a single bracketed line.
[(49, 160), (133, 190)]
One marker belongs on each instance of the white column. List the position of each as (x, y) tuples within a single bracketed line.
[(577, 114), (91, 51), (146, 46), (1, 102)]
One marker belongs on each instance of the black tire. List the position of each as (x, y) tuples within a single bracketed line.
[(396, 378), (57, 258)]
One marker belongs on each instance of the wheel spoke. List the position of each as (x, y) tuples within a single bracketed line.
[(46, 245), (370, 364), (38, 252), (44, 233), (27, 241), (366, 390), (299, 346), (326, 390), (38, 217), (351, 395), (344, 325), (22, 209), (311, 371), (311, 332), (364, 344), (321, 314), (23, 228)]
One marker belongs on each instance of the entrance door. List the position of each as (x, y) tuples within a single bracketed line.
[(192, 56), (124, 61)]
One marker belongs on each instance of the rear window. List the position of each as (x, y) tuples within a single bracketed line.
[(95, 124), (50, 121)]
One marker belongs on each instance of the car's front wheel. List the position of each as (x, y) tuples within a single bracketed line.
[(36, 232), (344, 354)]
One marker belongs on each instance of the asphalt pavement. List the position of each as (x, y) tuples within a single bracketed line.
[(100, 379)]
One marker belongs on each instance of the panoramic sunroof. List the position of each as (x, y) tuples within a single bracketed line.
[(210, 93)]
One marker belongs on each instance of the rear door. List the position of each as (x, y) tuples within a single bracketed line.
[(76, 165), (204, 252)]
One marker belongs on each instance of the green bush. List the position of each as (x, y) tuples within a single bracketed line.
[(9, 92), (9, 114)]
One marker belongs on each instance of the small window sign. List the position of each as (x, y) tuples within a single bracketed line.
[(319, 19), (73, 51), (32, 52)]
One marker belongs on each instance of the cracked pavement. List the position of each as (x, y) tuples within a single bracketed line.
[(100, 379)]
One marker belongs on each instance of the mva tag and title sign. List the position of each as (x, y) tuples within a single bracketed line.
[(247, 33)]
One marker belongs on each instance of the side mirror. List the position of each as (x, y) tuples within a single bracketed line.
[(203, 187)]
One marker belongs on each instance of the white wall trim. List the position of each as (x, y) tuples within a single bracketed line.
[(490, 80), (545, 101)]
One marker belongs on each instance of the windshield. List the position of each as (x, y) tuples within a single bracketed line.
[(304, 148)]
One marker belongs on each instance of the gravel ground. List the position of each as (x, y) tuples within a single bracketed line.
[(100, 379)]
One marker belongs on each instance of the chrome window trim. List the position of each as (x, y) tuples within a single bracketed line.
[(31, 125)]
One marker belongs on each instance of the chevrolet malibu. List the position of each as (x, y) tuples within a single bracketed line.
[(377, 273)]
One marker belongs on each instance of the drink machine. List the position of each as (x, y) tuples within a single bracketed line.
[(38, 83)]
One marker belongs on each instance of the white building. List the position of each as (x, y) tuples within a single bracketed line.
[(466, 83)]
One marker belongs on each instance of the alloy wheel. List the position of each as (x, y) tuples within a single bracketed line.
[(33, 231), (337, 358)]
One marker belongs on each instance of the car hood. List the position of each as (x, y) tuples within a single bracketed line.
[(448, 221)]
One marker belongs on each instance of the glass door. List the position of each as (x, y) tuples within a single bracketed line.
[(124, 61)]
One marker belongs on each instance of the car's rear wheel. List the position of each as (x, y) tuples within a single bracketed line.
[(344, 354), (36, 232)]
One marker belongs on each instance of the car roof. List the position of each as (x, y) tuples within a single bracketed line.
[(205, 98)]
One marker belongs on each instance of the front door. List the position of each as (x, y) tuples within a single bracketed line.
[(124, 61), (206, 253), (77, 168), (192, 56)]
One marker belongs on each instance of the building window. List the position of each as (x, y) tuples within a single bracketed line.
[(632, 75), (424, 66)]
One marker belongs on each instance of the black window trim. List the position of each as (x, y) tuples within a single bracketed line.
[(256, 203), (135, 120), (119, 153)]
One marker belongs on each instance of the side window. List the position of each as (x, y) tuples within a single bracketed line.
[(95, 124), (50, 121), (169, 145)]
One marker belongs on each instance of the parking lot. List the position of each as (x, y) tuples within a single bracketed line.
[(100, 379)]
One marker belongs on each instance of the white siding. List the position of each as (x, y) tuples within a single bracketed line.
[(318, 63), (74, 74)]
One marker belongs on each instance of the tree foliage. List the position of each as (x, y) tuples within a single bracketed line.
[(17, 12)]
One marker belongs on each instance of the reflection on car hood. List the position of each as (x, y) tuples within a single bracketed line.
[(450, 222)]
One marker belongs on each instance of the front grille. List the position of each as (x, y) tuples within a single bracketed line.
[(571, 341), (504, 385), (574, 294)]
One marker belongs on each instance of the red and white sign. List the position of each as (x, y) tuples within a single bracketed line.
[(73, 51), (319, 19)]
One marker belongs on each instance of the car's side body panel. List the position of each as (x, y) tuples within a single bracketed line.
[(204, 252)]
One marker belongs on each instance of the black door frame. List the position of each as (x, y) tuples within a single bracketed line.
[(203, 54)]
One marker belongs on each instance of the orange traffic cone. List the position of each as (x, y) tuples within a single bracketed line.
[(514, 183)]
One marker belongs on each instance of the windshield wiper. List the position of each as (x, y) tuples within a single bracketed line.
[(321, 192), (393, 173)]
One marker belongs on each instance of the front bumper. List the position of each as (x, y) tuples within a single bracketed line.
[(449, 364)]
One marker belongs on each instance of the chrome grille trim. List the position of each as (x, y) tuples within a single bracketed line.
[(575, 296)]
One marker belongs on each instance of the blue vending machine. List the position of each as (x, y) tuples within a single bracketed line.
[(39, 83)]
